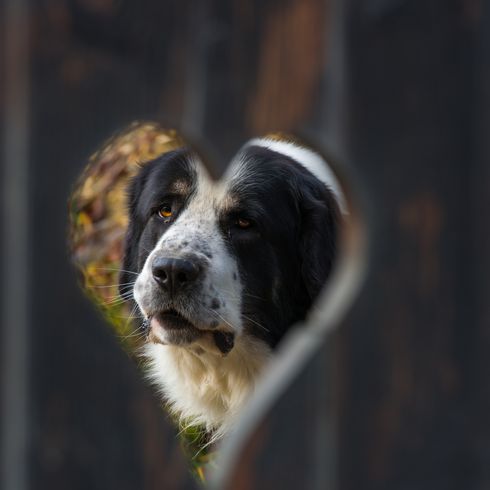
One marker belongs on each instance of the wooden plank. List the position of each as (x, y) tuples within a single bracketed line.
[(95, 67), (405, 410), (14, 350), (409, 394)]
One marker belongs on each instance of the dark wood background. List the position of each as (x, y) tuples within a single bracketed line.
[(399, 91)]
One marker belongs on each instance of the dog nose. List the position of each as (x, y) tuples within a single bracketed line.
[(174, 274)]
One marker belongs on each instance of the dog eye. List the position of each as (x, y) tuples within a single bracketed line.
[(165, 211), (243, 223)]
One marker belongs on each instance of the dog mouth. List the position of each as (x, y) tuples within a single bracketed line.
[(172, 320), (171, 327)]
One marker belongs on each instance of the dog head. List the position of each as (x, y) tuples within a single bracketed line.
[(245, 256)]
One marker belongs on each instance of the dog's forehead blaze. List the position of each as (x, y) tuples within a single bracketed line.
[(210, 195), (228, 202)]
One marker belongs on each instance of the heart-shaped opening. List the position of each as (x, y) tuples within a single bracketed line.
[(205, 278)]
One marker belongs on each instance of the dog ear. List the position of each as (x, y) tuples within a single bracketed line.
[(319, 234), (129, 265)]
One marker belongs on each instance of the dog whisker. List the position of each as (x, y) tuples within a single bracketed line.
[(126, 294), (123, 285), (254, 296), (116, 270), (133, 315), (117, 300), (126, 317), (255, 322), (132, 335), (224, 319)]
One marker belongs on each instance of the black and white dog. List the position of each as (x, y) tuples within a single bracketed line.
[(225, 268)]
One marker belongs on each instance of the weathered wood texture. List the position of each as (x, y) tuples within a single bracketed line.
[(411, 377), (412, 396), (401, 92)]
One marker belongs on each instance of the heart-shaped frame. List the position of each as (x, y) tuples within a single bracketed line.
[(98, 222)]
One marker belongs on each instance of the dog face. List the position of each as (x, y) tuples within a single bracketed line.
[(217, 261)]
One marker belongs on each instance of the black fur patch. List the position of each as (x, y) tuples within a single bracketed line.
[(286, 257), (224, 341)]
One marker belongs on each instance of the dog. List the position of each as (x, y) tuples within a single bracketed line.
[(224, 269)]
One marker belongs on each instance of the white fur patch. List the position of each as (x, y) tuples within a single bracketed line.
[(205, 389)]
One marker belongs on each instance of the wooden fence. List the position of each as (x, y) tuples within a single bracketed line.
[(397, 397)]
